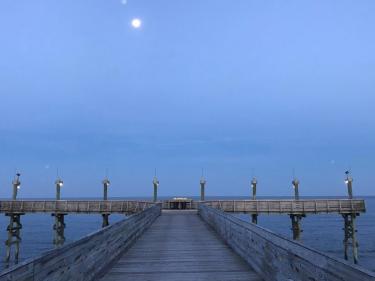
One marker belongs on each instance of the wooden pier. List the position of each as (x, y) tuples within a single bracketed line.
[(296, 209), (184, 239), (203, 244), (180, 246)]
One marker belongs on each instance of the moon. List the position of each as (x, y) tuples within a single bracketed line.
[(136, 23)]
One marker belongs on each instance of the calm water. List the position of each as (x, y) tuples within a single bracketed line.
[(322, 232)]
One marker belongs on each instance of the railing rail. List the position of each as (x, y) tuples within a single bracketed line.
[(73, 206), (312, 206)]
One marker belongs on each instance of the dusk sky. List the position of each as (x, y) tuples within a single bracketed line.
[(240, 88)]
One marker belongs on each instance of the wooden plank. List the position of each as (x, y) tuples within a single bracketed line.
[(180, 246)]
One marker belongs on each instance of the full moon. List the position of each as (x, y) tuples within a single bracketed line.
[(136, 23)]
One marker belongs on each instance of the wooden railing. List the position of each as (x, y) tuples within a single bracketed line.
[(73, 206), (88, 258), (275, 257), (341, 206)]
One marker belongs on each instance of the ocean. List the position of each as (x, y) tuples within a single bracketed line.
[(322, 232)]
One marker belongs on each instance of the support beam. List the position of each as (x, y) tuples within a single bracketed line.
[(105, 219), (350, 236), (296, 226), (14, 235), (59, 229)]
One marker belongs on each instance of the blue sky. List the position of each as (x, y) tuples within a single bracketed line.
[(240, 88)]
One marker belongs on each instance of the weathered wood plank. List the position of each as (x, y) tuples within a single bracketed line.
[(180, 246), (276, 258)]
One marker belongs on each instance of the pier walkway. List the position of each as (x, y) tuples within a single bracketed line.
[(180, 246)]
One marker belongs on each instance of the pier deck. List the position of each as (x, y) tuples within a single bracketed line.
[(180, 246)]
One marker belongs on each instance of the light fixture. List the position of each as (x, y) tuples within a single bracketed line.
[(59, 182)]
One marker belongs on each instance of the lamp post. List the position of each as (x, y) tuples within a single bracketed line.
[(59, 183), (295, 183), (203, 184), (349, 184), (106, 184), (16, 185), (155, 182), (254, 187)]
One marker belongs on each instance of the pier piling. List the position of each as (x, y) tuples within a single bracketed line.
[(59, 229), (14, 235), (15, 226)]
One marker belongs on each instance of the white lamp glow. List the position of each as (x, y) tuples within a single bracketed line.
[(136, 23)]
